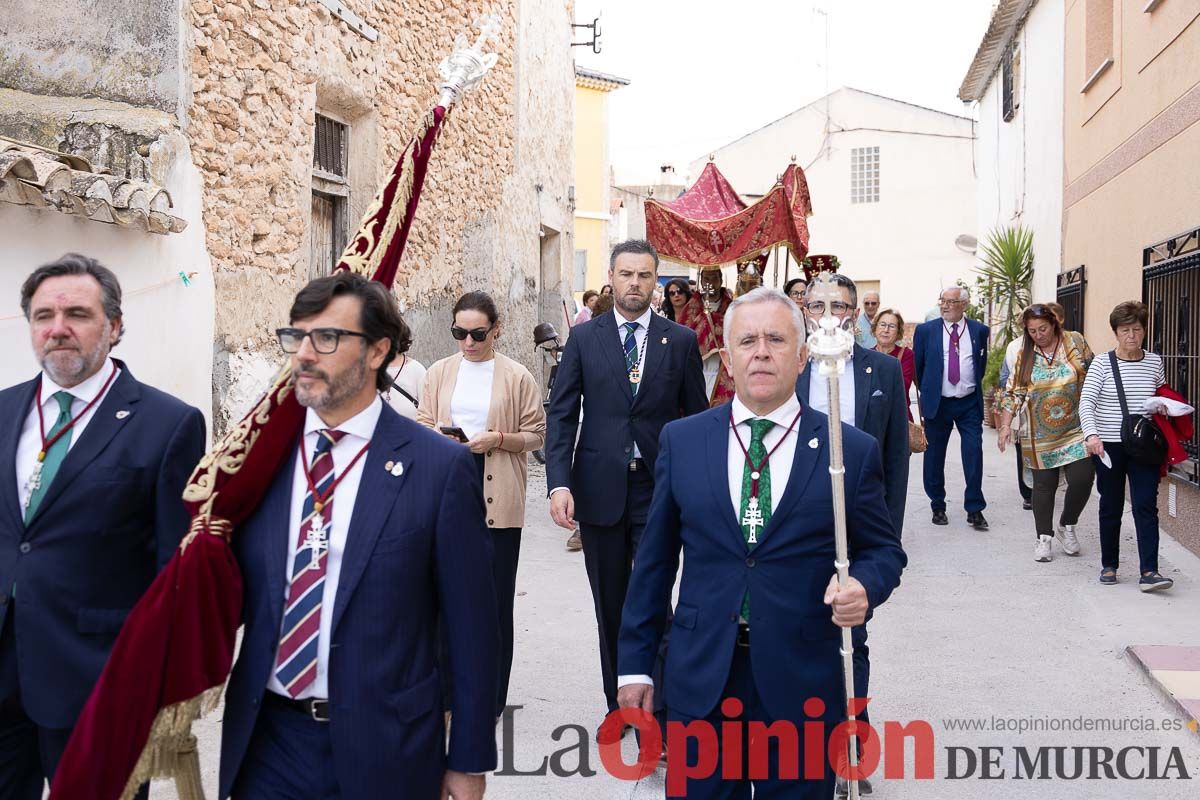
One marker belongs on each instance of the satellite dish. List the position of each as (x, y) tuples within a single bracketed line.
[(967, 243)]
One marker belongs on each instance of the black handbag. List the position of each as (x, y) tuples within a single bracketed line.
[(1141, 438)]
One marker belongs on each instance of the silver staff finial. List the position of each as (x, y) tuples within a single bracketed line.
[(465, 67)]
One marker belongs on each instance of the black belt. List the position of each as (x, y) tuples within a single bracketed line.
[(310, 706), (637, 465), (743, 635)]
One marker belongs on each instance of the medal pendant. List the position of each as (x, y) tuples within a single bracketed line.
[(635, 376), (33, 484), (752, 519)]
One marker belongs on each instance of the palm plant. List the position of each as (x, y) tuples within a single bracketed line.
[(1007, 274)]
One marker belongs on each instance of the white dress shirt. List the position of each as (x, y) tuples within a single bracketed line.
[(780, 461), (358, 429), (30, 443), (966, 361), (818, 390)]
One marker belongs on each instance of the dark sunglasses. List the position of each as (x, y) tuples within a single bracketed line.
[(675, 293), (477, 334)]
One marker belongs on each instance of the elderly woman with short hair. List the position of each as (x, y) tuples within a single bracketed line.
[(1100, 411)]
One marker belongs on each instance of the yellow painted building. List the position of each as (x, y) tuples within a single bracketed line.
[(592, 177)]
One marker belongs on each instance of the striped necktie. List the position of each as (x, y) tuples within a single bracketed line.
[(754, 520), (631, 352), (296, 662)]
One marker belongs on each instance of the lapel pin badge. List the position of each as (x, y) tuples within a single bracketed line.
[(397, 470), (813, 443), (664, 340), (388, 466), (122, 414), (868, 370)]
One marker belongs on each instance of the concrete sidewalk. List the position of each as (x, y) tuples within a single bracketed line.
[(978, 635)]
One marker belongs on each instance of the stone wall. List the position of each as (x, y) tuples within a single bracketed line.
[(124, 50), (261, 69)]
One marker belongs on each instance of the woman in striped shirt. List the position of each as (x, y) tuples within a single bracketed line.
[(1100, 413)]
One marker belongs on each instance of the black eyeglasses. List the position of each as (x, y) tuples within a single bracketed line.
[(837, 307), (675, 293), (477, 334), (324, 340)]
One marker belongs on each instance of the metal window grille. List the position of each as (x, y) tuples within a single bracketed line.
[(1071, 286), (329, 146), (864, 175), (1170, 288), (1008, 84)]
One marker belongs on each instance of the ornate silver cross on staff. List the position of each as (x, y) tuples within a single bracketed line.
[(829, 348)]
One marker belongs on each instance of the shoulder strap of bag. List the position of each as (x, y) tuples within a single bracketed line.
[(400, 389), (1116, 370)]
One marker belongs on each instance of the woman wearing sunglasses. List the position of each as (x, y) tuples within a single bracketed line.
[(1043, 394), (496, 405), (677, 297)]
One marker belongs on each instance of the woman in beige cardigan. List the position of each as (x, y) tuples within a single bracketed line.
[(498, 405)]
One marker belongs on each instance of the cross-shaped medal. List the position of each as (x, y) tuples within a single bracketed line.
[(753, 519), (315, 541), (34, 482)]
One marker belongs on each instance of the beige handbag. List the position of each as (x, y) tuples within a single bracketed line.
[(917, 443)]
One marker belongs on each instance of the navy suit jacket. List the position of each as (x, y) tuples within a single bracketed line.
[(593, 369), (928, 355), (880, 409), (418, 548), (109, 521), (795, 645)]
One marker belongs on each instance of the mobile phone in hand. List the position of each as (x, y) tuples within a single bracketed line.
[(455, 431)]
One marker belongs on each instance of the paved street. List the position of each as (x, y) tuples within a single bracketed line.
[(976, 630)]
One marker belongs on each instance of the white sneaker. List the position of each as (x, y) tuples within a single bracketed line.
[(1041, 550), (1067, 539)]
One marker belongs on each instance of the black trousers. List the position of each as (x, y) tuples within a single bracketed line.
[(1025, 489), (738, 785), (506, 544), (1045, 485), (1143, 489), (608, 553), (29, 753)]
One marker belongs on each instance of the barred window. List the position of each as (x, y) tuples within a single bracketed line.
[(864, 175), (330, 195)]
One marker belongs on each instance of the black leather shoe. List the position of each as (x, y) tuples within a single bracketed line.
[(1027, 505), (940, 518), (975, 520)]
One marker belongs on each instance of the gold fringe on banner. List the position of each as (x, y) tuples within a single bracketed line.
[(171, 748)]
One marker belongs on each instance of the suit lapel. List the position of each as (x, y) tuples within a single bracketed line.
[(862, 385), (610, 344), (377, 492), (9, 439), (657, 342), (718, 472), (813, 425), (104, 425), (277, 512)]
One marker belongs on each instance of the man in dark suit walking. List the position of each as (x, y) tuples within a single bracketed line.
[(634, 371), (872, 400), (951, 358), (92, 469), (743, 492), (373, 530)]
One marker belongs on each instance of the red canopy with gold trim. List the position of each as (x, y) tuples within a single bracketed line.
[(709, 224)]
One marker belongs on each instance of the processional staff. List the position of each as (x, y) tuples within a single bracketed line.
[(829, 347)]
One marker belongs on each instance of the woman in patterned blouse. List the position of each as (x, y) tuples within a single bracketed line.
[(1043, 393)]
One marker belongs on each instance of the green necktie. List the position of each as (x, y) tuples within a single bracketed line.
[(56, 453), (753, 521)]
